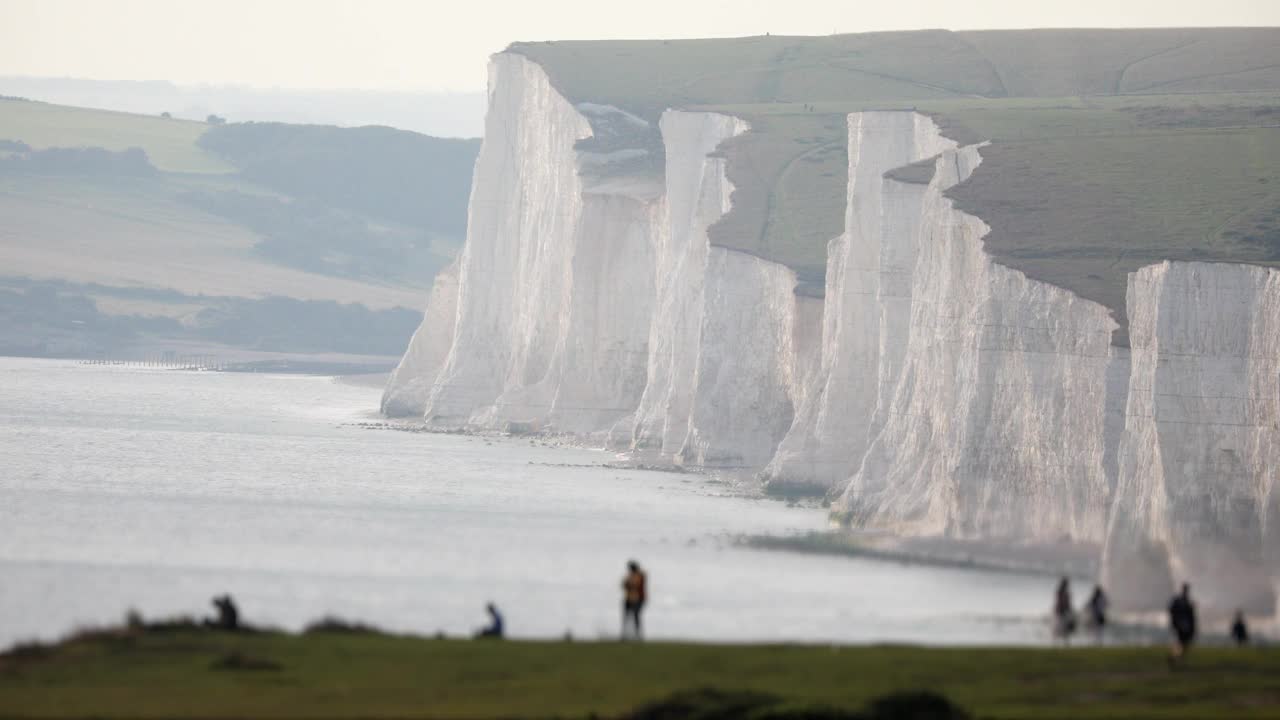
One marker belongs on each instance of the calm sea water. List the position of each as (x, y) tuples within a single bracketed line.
[(157, 489)]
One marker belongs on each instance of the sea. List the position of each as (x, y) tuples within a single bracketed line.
[(153, 490)]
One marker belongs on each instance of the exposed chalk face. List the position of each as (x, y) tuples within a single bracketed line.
[(1196, 497), (697, 194), (410, 385), (868, 289), (602, 358), (990, 417), (742, 384), (514, 288)]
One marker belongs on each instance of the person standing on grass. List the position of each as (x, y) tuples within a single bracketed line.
[(1064, 616), (633, 597), (1239, 630), (1182, 621), (1097, 609)]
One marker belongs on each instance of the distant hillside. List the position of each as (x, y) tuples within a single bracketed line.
[(451, 115), (1150, 143), (171, 145), (397, 175), (105, 204)]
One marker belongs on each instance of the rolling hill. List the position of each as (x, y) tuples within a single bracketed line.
[(217, 218)]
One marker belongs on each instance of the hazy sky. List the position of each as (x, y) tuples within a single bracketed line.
[(406, 45)]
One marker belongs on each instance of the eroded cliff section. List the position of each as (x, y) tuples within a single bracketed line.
[(588, 299), (1196, 498), (932, 393), (413, 380)]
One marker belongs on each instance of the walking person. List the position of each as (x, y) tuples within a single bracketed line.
[(1182, 621), (1239, 630), (633, 597), (1064, 616), (1097, 611)]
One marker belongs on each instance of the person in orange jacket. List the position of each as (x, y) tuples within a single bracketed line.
[(633, 597)]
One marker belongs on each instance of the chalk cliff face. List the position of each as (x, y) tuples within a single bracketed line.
[(513, 291), (412, 381), (1196, 498), (544, 339), (933, 392), (867, 303), (992, 398), (697, 195)]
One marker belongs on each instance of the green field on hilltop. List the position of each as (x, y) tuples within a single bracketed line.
[(1110, 149), (170, 144), (1078, 192), (188, 673), (1136, 183), (648, 76)]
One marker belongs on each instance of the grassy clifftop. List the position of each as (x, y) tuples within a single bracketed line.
[(1110, 148), (648, 76)]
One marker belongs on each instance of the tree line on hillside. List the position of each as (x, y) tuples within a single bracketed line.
[(37, 317), (131, 162), (313, 236), (397, 175)]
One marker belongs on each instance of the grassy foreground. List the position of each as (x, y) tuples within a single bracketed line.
[(194, 673)]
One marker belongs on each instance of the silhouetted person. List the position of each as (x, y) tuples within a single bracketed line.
[(1182, 621), (495, 627), (1239, 630), (228, 614), (1097, 609), (633, 597), (1064, 617)]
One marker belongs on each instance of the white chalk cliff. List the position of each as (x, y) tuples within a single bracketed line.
[(1196, 496), (411, 382), (933, 392)]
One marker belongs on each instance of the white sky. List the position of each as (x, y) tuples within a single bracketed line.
[(428, 45)]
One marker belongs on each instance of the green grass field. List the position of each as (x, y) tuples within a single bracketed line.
[(170, 144), (189, 674), (1090, 175), (648, 76)]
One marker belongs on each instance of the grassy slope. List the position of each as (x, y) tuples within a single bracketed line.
[(135, 234), (1078, 191), (1083, 194), (1022, 90), (170, 144), (336, 675)]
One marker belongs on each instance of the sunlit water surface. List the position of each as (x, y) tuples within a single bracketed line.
[(156, 489)]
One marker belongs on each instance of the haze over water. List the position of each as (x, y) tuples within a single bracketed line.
[(157, 489)]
